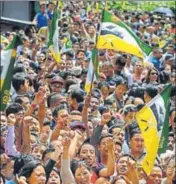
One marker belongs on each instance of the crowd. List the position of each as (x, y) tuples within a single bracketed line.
[(53, 132)]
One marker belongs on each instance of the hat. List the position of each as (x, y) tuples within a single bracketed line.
[(77, 124), (169, 57), (57, 79)]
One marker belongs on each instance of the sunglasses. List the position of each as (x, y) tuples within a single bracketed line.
[(153, 73)]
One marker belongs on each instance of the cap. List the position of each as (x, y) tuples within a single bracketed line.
[(77, 124), (169, 57), (57, 79)]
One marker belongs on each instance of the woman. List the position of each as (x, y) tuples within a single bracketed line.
[(152, 76), (34, 172), (54, 177), (79, 172)]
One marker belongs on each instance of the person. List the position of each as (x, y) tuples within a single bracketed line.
[(136, 144), (117, 96), (53, 126), (55, 177), (41, 18), (34, 172), (50, 8), (155, 176), (20, 84), (152, 76), (137, 72), (155, 58)]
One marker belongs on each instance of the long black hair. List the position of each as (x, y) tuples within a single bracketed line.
[(27, 170)]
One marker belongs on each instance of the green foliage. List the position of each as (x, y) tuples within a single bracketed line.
[(139, 5)]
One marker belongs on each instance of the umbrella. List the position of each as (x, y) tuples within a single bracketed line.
[(167, 11)]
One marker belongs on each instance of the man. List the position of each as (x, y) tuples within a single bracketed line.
[(80, 56), (94, 104), (55, 99), (57, 83), (138, 69), (136, 144), (155, 58), (155, 177), (21, 85), (41, 18), (120, 90), (50, 9), (61, 120), (45, 133), (171, 142), (24, 101), (119, 68), (125, 167), (107, 69), (119, 136), (87, 153), (76, 97)]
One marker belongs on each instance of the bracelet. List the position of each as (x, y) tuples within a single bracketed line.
[(33, 105)]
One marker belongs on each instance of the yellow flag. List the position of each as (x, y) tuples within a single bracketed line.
[(148, 126), (153, 120)]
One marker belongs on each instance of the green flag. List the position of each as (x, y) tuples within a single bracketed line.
[(53, 42), (7, 64), (93, 69), (165, 131), (116, 35)]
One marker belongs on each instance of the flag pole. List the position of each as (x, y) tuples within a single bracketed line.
[(93, 73), (47, 53)]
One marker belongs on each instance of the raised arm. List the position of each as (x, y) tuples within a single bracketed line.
[(109, 170), (26, 145), (66, 174), (10, 146), (106, 117), (85, 112)]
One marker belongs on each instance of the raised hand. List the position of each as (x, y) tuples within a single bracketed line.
[(28, 121), (21, 180), (110, 144), (40, 96), (11, 119), (106, 117)]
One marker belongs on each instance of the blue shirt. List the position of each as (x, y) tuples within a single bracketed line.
[(41, 20), (10, 182), (155, 62), (50, 15)]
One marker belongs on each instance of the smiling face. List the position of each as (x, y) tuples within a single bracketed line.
[(153, 75), (87, 153), (122, 166), (155, 176)]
